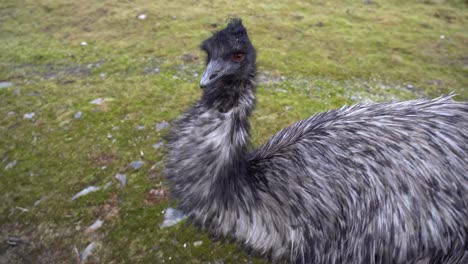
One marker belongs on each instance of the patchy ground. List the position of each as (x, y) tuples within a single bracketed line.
[(88, 90)]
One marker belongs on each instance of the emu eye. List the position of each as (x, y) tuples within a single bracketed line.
[(237, 57)]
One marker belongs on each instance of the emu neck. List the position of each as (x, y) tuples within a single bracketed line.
[(208, 154)]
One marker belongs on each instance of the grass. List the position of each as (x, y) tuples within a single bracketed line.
[(313, 56)]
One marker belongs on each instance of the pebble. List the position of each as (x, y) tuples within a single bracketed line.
[(158, 145), (161, 126), (88, 250), (122, 178), (141, 128), (83, 43), (141, 16), (97, 101), (78, 115), (10, 165), (29, 115), (5, 84), (38, 201), (107, 185), (171, 217), (96, 225), (197, 243), (85, 191), (136, 165)]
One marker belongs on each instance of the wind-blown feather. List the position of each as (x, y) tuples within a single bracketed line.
[(372, 183)]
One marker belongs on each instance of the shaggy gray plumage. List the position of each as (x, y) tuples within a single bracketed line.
[(370, 183)]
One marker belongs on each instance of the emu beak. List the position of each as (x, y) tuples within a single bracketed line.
[(213, 72)]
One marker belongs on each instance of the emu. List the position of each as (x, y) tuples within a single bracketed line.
[(369, 183)]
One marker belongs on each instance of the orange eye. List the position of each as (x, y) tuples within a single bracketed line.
[(237, 57)]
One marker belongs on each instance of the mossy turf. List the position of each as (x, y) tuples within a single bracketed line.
[(60, 55)]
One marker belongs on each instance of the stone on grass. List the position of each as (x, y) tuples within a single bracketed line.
[(158, 145), (97, 101), (197, 243), (5, 84), (78, 115), (95, 226), (122, 178), (87, 251), (29, 115), (85, 191), (161, 126), (136, 165), (141, 16), (171, 217), (10, 165), (107, 185)]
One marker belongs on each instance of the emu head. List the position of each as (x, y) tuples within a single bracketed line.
[(230, 55)]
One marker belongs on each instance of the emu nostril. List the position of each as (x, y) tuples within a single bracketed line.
[(213, 76)]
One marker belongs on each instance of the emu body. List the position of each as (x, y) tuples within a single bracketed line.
[(371, 183)]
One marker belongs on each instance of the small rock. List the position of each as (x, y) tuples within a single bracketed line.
[(107, 185), (83, 43), (29, 115), (136, 165), (161, 126), (78, 115), (158, 145), (197, 243), (288, 107), (15, 241), (410, 86), (5, 84), (97, 101), (10, 165), (103, 167), (172, 217), (85, 191), (442, 36), (88, 250), (141, 16), (96, 225), (38, 201), (122, 178), (103, 75), (141, 128), (109, 136)]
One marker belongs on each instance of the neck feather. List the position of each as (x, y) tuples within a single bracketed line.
[(208, 148)]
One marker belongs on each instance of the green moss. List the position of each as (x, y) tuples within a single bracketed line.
[(313, 56)]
